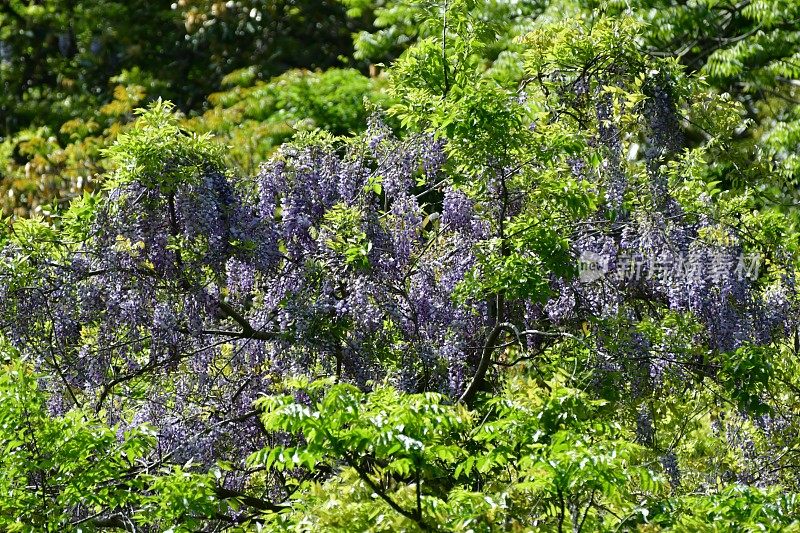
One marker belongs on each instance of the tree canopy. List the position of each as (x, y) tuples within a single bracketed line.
[(523, 266)]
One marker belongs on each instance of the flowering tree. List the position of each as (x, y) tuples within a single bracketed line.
[(555, 227)]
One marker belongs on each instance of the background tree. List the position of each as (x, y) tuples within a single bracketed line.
[(72, 71)]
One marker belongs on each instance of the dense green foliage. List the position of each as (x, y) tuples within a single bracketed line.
[(71, 70), (68, 470), (501, 266)]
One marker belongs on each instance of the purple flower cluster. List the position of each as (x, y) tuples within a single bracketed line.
[(457, 210)]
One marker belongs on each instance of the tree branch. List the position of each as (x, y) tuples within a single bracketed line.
[(385, 497), (250, 501), (483, 365)]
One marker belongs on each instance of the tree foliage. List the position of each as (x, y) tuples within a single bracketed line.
[(535, 276)]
